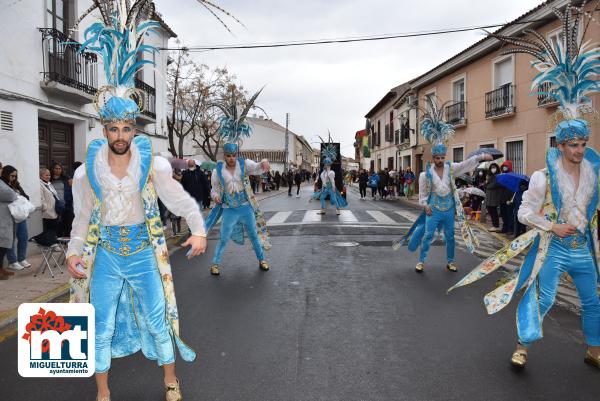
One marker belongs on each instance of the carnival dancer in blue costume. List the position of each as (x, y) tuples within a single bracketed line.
[(237, 207), (117, 254), (562, 200), (437, 192), (328, 188)]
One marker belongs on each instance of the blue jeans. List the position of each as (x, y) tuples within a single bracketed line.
[(20, 244), (140, 272), (443, 220), (579, 264), (232, 216)]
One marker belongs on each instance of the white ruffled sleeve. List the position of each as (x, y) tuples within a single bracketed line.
[(533, 200), (83, 205), (216, 188), (175, 198), (466, 166), (253, 168), (423, 195)]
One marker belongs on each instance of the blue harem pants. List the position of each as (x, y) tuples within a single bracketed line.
[(231, 216), (140, 271), (579, 264), (443, 220)]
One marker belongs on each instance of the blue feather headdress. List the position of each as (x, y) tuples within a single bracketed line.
[(567, 67), (434, 128), (118, 38), (233, 128)]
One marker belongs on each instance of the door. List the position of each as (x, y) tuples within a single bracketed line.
[(55, 144)]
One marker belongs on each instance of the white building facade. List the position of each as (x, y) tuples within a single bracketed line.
[(47, 89)]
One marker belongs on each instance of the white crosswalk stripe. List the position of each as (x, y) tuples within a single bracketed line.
[(311, 216), (346, 216), (279, 217), (380, 217)]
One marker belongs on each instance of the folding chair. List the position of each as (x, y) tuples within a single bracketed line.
[(49, 258)]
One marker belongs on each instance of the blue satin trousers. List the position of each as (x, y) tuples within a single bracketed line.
[(140, 272), (231, 216), (579, 264), (443, 220)]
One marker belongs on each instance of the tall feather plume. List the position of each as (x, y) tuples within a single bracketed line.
[(233, 126), (434, 128), (569, 67)]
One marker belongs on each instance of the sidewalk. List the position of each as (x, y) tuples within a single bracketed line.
[(24, 287)]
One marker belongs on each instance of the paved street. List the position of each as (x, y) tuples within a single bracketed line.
[(346, 322)]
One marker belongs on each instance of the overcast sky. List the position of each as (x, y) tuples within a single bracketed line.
[(332, 86)]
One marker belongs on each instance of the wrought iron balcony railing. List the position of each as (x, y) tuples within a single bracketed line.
[(455, 113), (500, 101), (543, 99), (149, 107), (65, 64)]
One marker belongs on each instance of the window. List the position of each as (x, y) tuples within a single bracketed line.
[(391, 124), (378, 141), (458, 154), (388, 134), (553, 143), (503, 72), (514, 153), (487, 145), (555, 37), (458, 90), (390, 163), (56, 14)]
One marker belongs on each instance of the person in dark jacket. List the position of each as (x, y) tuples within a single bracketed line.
[(382, 185), (363, 179), (290, 181), (519, 228), (506, 205), (195, 183), (493, 196), (60, 182), (277, 178), (298, 182)]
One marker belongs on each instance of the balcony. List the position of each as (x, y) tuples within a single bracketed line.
[(456, 114), (148, 115), (500, 102), (68, 73), (543, 99)]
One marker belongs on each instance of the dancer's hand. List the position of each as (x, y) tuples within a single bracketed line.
[(72, 262), (197, 243), (217, 199), (428, 211), (564, 230)]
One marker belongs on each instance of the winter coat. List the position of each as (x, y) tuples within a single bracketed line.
[(494, 192), (363, 178), (195, 183), (7, 226), (48, 201)]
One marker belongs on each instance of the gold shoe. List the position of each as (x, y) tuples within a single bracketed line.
[(173, 392), (321, 212), (420, 267), (263, 265), (452, 267), (519, 357), (592, 360), (214, 270), (338, 212)]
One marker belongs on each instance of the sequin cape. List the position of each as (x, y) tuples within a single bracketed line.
[(131, 333), (536, 243), (415, 234), (238, 232)]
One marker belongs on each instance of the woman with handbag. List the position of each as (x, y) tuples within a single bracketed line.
[(49, 197), (17, 261), (7, 228)]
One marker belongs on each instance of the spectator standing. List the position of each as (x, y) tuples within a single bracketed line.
[(506, 205), (195, 183), (493, 196), (409, 183), (176, 220), (519, 228), (290, 181), (17, 261), (60, 182), (277, 178), (7, 233), (298, 182), (50, 219), (374, 184), (314, 176), (383, 184), (363, 180)]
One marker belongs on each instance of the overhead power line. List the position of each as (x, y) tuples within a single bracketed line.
[(347, 39)]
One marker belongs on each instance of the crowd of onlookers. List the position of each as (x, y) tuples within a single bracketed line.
[(387, 184)]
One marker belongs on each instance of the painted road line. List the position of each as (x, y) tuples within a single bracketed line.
[(279, 217), (346, 216), (311, 216), (380, 217)]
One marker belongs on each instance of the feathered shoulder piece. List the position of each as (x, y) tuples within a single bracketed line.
[(568, 67)]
